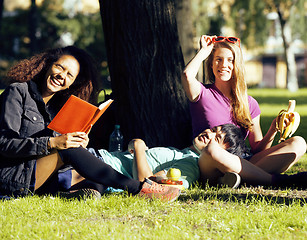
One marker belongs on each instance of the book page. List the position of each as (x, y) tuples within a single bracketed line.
[(77, 115)]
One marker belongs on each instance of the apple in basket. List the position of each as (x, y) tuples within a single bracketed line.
[(173, 174)]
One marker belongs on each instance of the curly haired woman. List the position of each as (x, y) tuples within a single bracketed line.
[(30, 153)]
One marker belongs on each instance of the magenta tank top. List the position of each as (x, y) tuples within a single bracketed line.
[(212, 109)]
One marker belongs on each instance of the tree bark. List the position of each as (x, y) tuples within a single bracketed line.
[(145, 64)]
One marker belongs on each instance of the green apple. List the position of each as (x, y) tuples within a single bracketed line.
[(173, 174)]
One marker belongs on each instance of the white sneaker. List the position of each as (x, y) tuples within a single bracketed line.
[(230, 179)]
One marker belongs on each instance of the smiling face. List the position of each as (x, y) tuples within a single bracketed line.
[(203, 139), (223, 64), (61, 75)]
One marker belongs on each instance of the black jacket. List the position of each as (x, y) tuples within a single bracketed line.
[(23, 136)]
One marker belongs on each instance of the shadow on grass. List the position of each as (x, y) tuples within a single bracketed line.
[(247, 196)]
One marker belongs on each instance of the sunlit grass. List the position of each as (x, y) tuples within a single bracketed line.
[(200, 214)]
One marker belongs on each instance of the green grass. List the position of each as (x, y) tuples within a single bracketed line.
[(201, 214), (210, 213)]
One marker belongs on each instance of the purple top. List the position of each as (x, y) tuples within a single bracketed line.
[(212, 109)]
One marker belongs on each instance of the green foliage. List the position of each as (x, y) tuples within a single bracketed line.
[(206, 19), (250, 22), (292, 11), (14, 32), (298, 20), (253, 26)]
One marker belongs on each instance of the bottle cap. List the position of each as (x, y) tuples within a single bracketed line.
[(117, 126)]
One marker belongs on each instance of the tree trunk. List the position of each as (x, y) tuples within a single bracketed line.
[(292, 81), (145, 64)]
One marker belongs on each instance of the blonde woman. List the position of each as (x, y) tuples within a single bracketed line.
[(225, 100)]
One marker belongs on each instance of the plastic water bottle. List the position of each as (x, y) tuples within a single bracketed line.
[(116, 140)]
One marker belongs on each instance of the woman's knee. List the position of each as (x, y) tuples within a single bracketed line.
[(298, 144)]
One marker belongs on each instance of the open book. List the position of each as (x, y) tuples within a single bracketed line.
[(77, 115)]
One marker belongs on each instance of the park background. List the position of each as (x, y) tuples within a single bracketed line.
[(27, 27), (141, 48)]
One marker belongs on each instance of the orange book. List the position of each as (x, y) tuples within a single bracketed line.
[(77, 115)]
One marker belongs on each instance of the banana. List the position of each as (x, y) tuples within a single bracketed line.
[(292, 123)]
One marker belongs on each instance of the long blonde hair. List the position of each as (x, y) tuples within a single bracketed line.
[(239, 100)]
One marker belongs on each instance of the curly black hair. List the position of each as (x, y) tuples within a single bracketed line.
[(36, 67)]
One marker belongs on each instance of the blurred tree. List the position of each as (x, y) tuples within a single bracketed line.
[(285, 9), (185, 28), (32, 27), (145, 63), (195, 18), (251, 23), (14, 34), (1, 13), (208, 17)]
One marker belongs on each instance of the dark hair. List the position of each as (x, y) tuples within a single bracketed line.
[(234, 139), (36, 67)]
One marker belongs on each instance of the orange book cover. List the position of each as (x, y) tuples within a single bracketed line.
[(77, 115)]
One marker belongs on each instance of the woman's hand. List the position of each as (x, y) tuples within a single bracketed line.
[(69, 140), (206, 42)]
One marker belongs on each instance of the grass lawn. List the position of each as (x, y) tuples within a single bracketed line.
[(210, 213)]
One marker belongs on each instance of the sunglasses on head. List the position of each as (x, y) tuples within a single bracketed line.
[(233, 40)]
